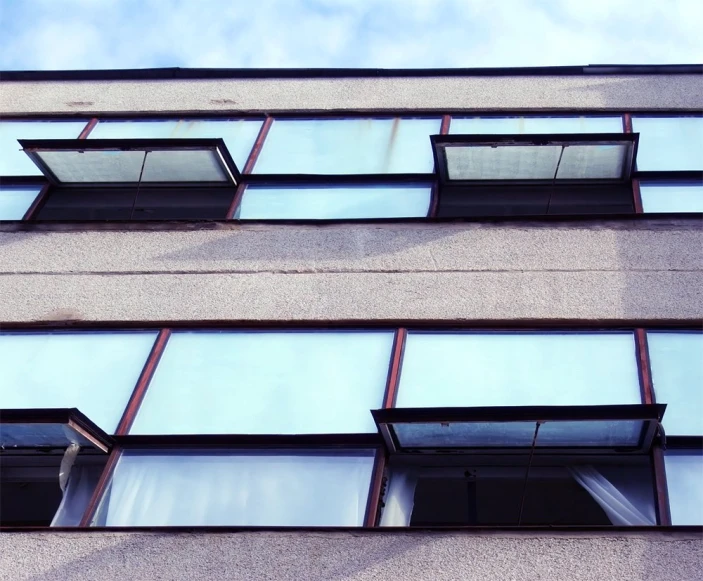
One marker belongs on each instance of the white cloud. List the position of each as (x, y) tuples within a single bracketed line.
[(77, 34)]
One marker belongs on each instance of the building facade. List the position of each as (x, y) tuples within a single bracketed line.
[(352, 324)]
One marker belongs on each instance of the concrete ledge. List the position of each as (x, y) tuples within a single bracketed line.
[(357, 556)]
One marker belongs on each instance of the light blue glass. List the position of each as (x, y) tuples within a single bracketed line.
[(528, 125), (669, 143), (14, 161), (267, 383), (244, 488), (334, 203), (348, 146), (677, 375), (669, 197), (94, 372), (239, 134), (518, 369), (684, 481), (15, 201)]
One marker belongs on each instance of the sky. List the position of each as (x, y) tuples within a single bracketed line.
[(109, 34)]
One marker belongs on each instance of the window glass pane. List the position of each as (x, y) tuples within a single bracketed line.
[(669, 143), (267, 383), (348, 146), (239, 134), (94, 372), (684, 475), (238, 489), (15, 201), (527, 125), (677, 375), (14, 161), (669, 197), (516, 369), (329, 203)]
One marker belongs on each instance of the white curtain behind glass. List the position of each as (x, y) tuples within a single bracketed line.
[(221, 489), (400, 499), (79, 488)]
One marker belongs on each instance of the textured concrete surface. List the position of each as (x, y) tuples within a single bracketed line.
[(617, 270), (250, 556), (624, 92)]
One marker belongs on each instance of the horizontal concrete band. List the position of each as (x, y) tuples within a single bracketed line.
[(358, 556), (393, 248), (353, 296), (604, 93)]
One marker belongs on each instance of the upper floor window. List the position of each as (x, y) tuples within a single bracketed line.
[(16, 200), (669, 143), (670, 196), (529, 125), (348, 146)]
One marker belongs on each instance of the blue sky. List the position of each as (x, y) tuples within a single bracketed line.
[(94, 34)]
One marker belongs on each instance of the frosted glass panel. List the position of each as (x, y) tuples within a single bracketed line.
[(15, 201), (677, 374), (502, 163), (348, 146), (324, 203), (239, 134), (672, 197), (517, 369), (94, 372), (14, 161), (267, 383), (592, 162), (669, 143), (684, 479), (528, 125), (270, 489)]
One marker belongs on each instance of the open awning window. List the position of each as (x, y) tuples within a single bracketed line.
[(50, 428), (534, 159), (590, 429), (120, 162)]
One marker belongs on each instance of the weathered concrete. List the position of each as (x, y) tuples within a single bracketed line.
[(476, 93), (357, 556)]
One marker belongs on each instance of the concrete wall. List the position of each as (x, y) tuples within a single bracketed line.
[(358, 556), (522, 270), (605, 93)]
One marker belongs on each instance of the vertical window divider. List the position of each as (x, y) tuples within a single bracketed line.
[(101, 487), (636, 194), (374, 498), (394, 368), (249, 166), (37, 203), (88, 128), (434, 196), (658, 468), (147, 373)]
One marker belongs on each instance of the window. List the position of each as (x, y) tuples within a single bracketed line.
[(334, 202), (94, 372), (16, 200), (677, 376), (672, 196), (239, 135), (684, 475), (238, 488), (669, 143), (530, 125), (13, 161), (348, 146), (518, 369), (267, 383)]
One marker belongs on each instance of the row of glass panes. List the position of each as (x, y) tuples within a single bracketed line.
[(321, 382)]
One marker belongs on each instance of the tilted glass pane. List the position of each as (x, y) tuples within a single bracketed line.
[(330, 203), (15, 201), (502, 163), (14, 161), (516, 369), (239, 134), (669, 143), (684, 478), (528, 125), (238, 489), (348, 146), (465, 434), (94, 372), (677, 375), (267, 383), (670, 197)]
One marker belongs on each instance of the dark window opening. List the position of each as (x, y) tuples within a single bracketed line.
[(132, 203)]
